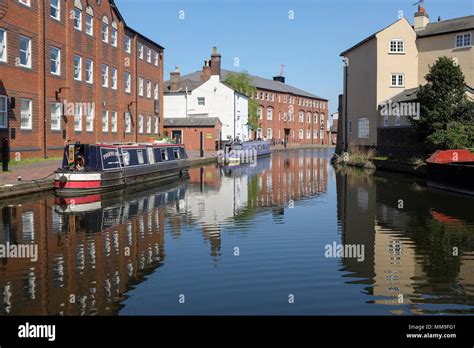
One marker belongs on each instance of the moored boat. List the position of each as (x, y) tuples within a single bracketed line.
[(246, 152), (95, 168), (452, 170)]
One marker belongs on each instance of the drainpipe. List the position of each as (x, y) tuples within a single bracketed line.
[(45, 148)]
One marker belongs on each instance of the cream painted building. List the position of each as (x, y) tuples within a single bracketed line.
[(384, 71)]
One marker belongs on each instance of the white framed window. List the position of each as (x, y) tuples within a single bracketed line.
[(113, 121), (78, 117), (113, 38), (397, 80), (54, 9), (157, 59), (301, 134), (260, 112), (140, 51), (157, 122), (308, 134), (114, 78), (105, 32), (128, 122), (55, 61), (128, 44), (55, 116), (77, 19), (285, 116), (385, 121), (321, 134), (25, 2), (269, 133), (3, 45), (301, 116), (269, 114), (308, 118), (89, 71), (128, 82), (25, 52), (140, 124), (105, 121), (315, 134), (148, 55), (267, 97), (272, 97), (201, 101), (3, 111), (463, 40), (148, 89), (397, 46), (156, 92), (148, 124), (140, 86), (89, 25), (397, 121), (105, 75), (363, 131), (315, 118), (89, 111), (78, 68)]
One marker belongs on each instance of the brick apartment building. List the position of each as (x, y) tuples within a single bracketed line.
[(285, 112), (74, 71)]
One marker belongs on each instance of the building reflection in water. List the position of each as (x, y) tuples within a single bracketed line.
[(419, 243), (92, 253)]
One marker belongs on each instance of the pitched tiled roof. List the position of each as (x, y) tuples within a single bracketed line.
[(447, 26)]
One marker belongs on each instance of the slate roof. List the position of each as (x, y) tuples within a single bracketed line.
[(447, 26), (191, 121)]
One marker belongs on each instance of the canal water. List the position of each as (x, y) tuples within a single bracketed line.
[(261, 239)]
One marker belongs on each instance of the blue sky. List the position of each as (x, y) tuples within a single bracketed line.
[(263, 37)]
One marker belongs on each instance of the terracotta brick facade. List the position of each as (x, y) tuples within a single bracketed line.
[(38, 84)]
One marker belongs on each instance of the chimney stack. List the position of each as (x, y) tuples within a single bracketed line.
[(174, 79), (206, 71), (421, 19), (215, 62)]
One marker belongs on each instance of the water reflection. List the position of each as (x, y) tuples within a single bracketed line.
[(135, 251)]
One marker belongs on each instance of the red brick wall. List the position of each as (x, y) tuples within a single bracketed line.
[(191, 137), (20, 82)]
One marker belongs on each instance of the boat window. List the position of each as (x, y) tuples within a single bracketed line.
[(140, 157), (176, 153), (125, 157), (164, 155), (151, 157)]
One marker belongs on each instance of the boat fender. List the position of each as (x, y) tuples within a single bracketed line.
[(63, 179)]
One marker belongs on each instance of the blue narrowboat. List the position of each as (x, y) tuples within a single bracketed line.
[(96, 168), (246, 152)]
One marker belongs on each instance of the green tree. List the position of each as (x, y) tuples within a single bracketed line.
[(446, 114), (242, 82)]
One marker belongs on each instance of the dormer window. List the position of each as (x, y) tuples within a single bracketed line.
[(397, 46)]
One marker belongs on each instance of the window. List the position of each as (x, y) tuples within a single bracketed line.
[(261, 95), (3, 45), (266, 96), (148, 55), (113, 121), (315, 134), (140, 86), (269, 133), (77, 19), (315, 120), (397, 46), (55, 61), (128, 122), (148, 89), (77, 68), (301, 134), (114, 78), (78, 118), (385, 120), (140, 158), (128, 44), (89, 25), (113, 39), (157, 121), (140, 124), (463, 40), (285, 116), (269, 114), (397, 80), (105, 31), (272, 97), (3, 111), (55, 116), (105, 121), (25, 52), (164, 155), (308, 118), (349, 126), (321, 135), (140, 51), (54, 9), (308, 134), (89, 111), (201, 101), (148, 124), (128, 82), (157, 59), (89, 71), (156, 94), (301, 116), (397, 121), (285, 99), (105, 75), (259, 113), (25, 2), (176, 153), (363, 128)]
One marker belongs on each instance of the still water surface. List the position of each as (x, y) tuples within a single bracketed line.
[(246, 240)]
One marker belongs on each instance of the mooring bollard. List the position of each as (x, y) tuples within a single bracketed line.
[(5, 152)]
